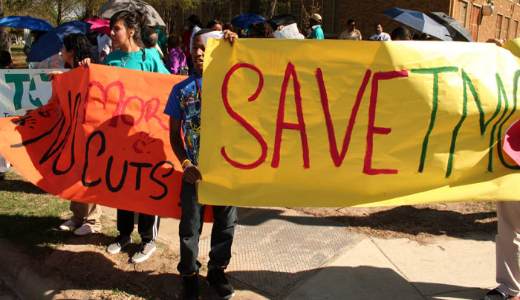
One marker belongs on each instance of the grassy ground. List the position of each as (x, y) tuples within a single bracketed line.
[(27, 214), (29, 217)]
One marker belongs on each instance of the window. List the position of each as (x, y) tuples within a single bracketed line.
[(498, 27), (507, 22), (463, 12)]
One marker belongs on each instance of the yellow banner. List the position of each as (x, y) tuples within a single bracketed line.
[(341, 123)]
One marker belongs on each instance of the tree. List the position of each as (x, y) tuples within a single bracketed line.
[(59, 10), (89, 8)]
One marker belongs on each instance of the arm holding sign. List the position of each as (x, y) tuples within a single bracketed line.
[(191, 172)]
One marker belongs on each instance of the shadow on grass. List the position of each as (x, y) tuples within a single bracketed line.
[(36, 239), (15, 185), (38, 234), (403, 219)]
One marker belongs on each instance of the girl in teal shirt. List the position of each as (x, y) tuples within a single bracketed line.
[(130, 53), (126, 37)]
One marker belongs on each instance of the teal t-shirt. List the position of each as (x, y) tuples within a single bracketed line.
[(317, 33), (147, 60)]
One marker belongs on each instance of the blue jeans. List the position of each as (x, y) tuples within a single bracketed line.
[(190, 228)]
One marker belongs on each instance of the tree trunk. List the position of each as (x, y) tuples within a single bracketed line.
[(273, 8), (255, 6), (58, 13)]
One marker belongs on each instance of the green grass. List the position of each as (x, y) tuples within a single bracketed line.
[(28, 216)]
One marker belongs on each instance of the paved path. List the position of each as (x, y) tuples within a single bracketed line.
[(286, 254)]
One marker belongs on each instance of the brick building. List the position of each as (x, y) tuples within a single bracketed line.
[(503, 23)]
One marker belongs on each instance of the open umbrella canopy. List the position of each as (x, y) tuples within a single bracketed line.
[(457, 31), (419, 21), (99, 25), (52, 42), (246, 20), (282, 20), (25, 22), (151, 15)]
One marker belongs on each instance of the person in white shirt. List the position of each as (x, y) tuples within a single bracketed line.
[(380, 35)]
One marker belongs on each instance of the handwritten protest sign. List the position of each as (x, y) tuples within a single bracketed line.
[(103, 138), (337, 123), (22, 90)]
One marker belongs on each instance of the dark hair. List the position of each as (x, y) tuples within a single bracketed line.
[(401, 34), (5, 59), (350, 21), (194, 19), (149, 37), (79, 45), (133, 20), (174, 41), (228, 26), (213, 23), (260, 30)]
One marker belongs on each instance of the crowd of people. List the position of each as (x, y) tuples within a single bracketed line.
[(131, 45)]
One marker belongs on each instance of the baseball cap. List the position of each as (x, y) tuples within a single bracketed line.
[(316, 17)]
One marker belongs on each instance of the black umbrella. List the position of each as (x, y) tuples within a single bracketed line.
[(419, 21), (457, 31), (282, 20), (113, 6)]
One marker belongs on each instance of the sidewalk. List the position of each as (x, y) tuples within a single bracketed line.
[(286, 254)]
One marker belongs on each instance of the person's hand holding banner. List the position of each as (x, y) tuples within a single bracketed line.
[(103, 138), (389, 123)]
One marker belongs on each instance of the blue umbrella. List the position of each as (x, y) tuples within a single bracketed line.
[(25, 22), (419, 22), (246, 20), (52, 42)]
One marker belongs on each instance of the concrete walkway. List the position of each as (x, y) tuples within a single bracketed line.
[(284, 254)]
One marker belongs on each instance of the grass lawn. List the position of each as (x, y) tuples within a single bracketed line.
[(29, 216)]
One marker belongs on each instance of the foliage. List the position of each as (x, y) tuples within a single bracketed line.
[(59, 11), (55, 11)]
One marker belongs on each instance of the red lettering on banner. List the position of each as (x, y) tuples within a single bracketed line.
[(290, 71), (247, 126), (147, 110), (372, 129), (336, 156)]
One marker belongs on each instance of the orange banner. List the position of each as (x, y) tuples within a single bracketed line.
[(103, 138)]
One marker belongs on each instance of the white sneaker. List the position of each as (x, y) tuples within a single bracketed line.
[(84, 229), (119, 243), (147, 249), (69, 225)]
